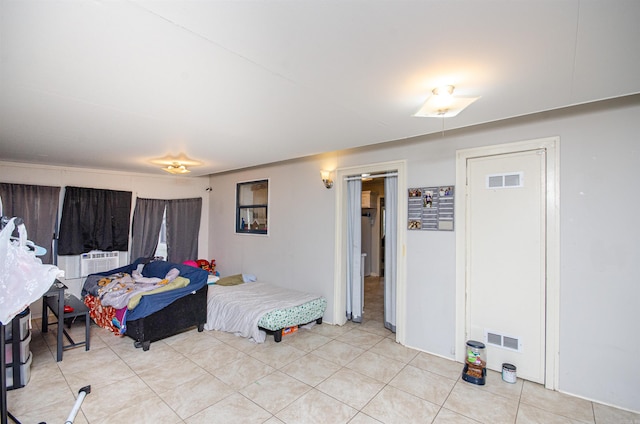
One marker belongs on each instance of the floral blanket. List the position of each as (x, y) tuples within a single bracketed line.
[(104, 316)]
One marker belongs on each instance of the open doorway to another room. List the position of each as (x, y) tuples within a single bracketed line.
[(372, 232), (349, 284)]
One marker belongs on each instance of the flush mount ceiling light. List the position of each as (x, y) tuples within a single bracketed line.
[(443, 104), (176, 168), (175, 165)]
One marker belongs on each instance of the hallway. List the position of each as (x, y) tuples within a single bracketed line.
[(373, 313)]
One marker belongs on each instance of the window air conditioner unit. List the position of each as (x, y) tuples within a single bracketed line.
[(96, 261)]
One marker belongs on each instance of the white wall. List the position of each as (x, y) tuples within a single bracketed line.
[(145, 186), (599, 231), (298, 251)]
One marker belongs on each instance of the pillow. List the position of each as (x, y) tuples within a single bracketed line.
[(231, 280), (191, 263)]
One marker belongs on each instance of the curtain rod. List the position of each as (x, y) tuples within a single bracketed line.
[(359, 177)]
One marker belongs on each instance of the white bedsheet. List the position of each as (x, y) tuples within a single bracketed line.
[(237, 309)]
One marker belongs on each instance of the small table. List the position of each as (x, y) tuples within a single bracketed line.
[(57, 289), (54, 300)]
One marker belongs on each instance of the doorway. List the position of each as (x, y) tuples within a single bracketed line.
[(372, 224), (340, 276), (507, 260)]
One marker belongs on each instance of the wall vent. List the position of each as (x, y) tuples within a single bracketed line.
[(503, 341), (506, 180), (96, 261)]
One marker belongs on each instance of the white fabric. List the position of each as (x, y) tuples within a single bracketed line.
[(23, 277), (237, 309), (354, 250), (390, 249)]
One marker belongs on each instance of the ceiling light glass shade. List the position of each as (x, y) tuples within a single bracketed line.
[(445, 90), (443, 104), (176, 168)]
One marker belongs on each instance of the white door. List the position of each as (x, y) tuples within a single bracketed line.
[(506, 259)]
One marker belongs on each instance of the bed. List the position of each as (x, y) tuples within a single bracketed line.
[(163, 311), (253, 309)]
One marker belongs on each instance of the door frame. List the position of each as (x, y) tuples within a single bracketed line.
[(340, 270), (552, 198)]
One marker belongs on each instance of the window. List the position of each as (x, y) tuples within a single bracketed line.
[(161, 250), (94, 219), (167, 228), (252, 204)]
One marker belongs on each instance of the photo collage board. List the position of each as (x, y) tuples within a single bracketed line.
[(431, 208)]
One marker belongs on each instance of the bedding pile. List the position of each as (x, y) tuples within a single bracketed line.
[(238, 308), (121, 289), (109, 297)]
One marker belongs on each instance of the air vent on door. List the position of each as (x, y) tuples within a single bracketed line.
[(497, 339), (506, 180)]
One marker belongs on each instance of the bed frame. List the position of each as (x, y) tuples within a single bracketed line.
[(277, 334), (255, 309), (182, 314)]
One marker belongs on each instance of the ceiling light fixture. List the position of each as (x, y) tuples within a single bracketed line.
[(176, 168), (443, 104), (176, 165)]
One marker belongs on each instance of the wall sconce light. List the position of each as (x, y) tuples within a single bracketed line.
[(326, 178), (176, 168), (443, 104)]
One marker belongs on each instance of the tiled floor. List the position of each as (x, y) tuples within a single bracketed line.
[(326, 374)]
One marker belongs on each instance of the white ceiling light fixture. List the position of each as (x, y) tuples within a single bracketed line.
[(443, 104), (176, 168), (176, 165)]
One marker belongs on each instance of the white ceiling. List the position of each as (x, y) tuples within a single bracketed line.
[(117, 84)]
